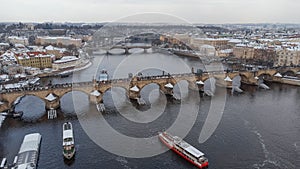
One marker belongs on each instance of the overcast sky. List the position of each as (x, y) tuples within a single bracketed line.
[(194, 11)]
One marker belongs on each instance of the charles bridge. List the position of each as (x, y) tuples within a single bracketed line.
[(128, 47), (51, 95)]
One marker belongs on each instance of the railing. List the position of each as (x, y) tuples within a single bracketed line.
[(121, 80), (131, 47)]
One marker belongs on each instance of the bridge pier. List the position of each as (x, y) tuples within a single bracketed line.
[(134, 95), (55, 104), (51, 107), (97, 98), (167, 89), (224, 83), (127, 51), (193, 86)]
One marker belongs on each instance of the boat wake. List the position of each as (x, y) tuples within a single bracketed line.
[(123, 162), (297, 147), (270, 158)]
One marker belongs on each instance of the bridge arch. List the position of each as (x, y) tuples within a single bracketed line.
[(115, 96), (20, 96), (103, 90), (270, 73), (265, 76), (79, 101), (143, 85), (30, 113), (181, 88), (61, 93), (290, 72), (151, 92)]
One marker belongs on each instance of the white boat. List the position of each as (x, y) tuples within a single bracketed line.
[(29, 152), (68, 141), (103, 76), (3, 163), (184, 149)]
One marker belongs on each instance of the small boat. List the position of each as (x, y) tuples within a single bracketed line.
[(68, 141), (103, 76), (64, 75), (184, 149), (29, 152), (13, 114), (3, 163)]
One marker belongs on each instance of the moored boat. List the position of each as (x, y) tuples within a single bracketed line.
[(3, 163), (68, 141), (29, 152), (184, 149), (13, 114)]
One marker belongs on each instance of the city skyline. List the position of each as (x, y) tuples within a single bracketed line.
[(192, 11)]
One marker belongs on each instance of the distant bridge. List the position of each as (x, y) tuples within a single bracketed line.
[(128, 47), (51, 95)]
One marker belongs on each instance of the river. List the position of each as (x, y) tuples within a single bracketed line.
[(259, 128)]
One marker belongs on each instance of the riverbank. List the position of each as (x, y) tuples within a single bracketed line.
[(66, 71)]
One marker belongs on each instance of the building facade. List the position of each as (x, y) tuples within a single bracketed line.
[(65, 62), (219, 44), (288, 57), (58, 41), (243, 52), (18, 40), (35, 59)]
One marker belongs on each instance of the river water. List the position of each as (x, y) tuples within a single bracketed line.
[(258, 129)]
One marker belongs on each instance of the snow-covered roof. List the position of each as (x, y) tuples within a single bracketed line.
[(4, 44), (14, 85), (228, 79), (207, 46), (50, 47), (31, 142), (266, 40), (17, 45), (169, 85), (134, 89), (226, 51), (17, 37), (4, 76), (67, 134), (235, 41), (194, 151), (50, 97), (240, 45), (278, 75), (56, 38), (95, 93), (199, 82), (66, 59)]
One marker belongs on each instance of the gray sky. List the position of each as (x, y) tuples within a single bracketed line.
[(195, 11)]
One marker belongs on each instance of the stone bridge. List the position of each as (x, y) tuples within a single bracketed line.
[(126, 48), (51, 95)]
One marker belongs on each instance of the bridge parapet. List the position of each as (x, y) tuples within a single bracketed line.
[(8, 96)]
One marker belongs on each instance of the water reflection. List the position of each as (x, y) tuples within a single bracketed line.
[(74, 102), (33, 108)]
